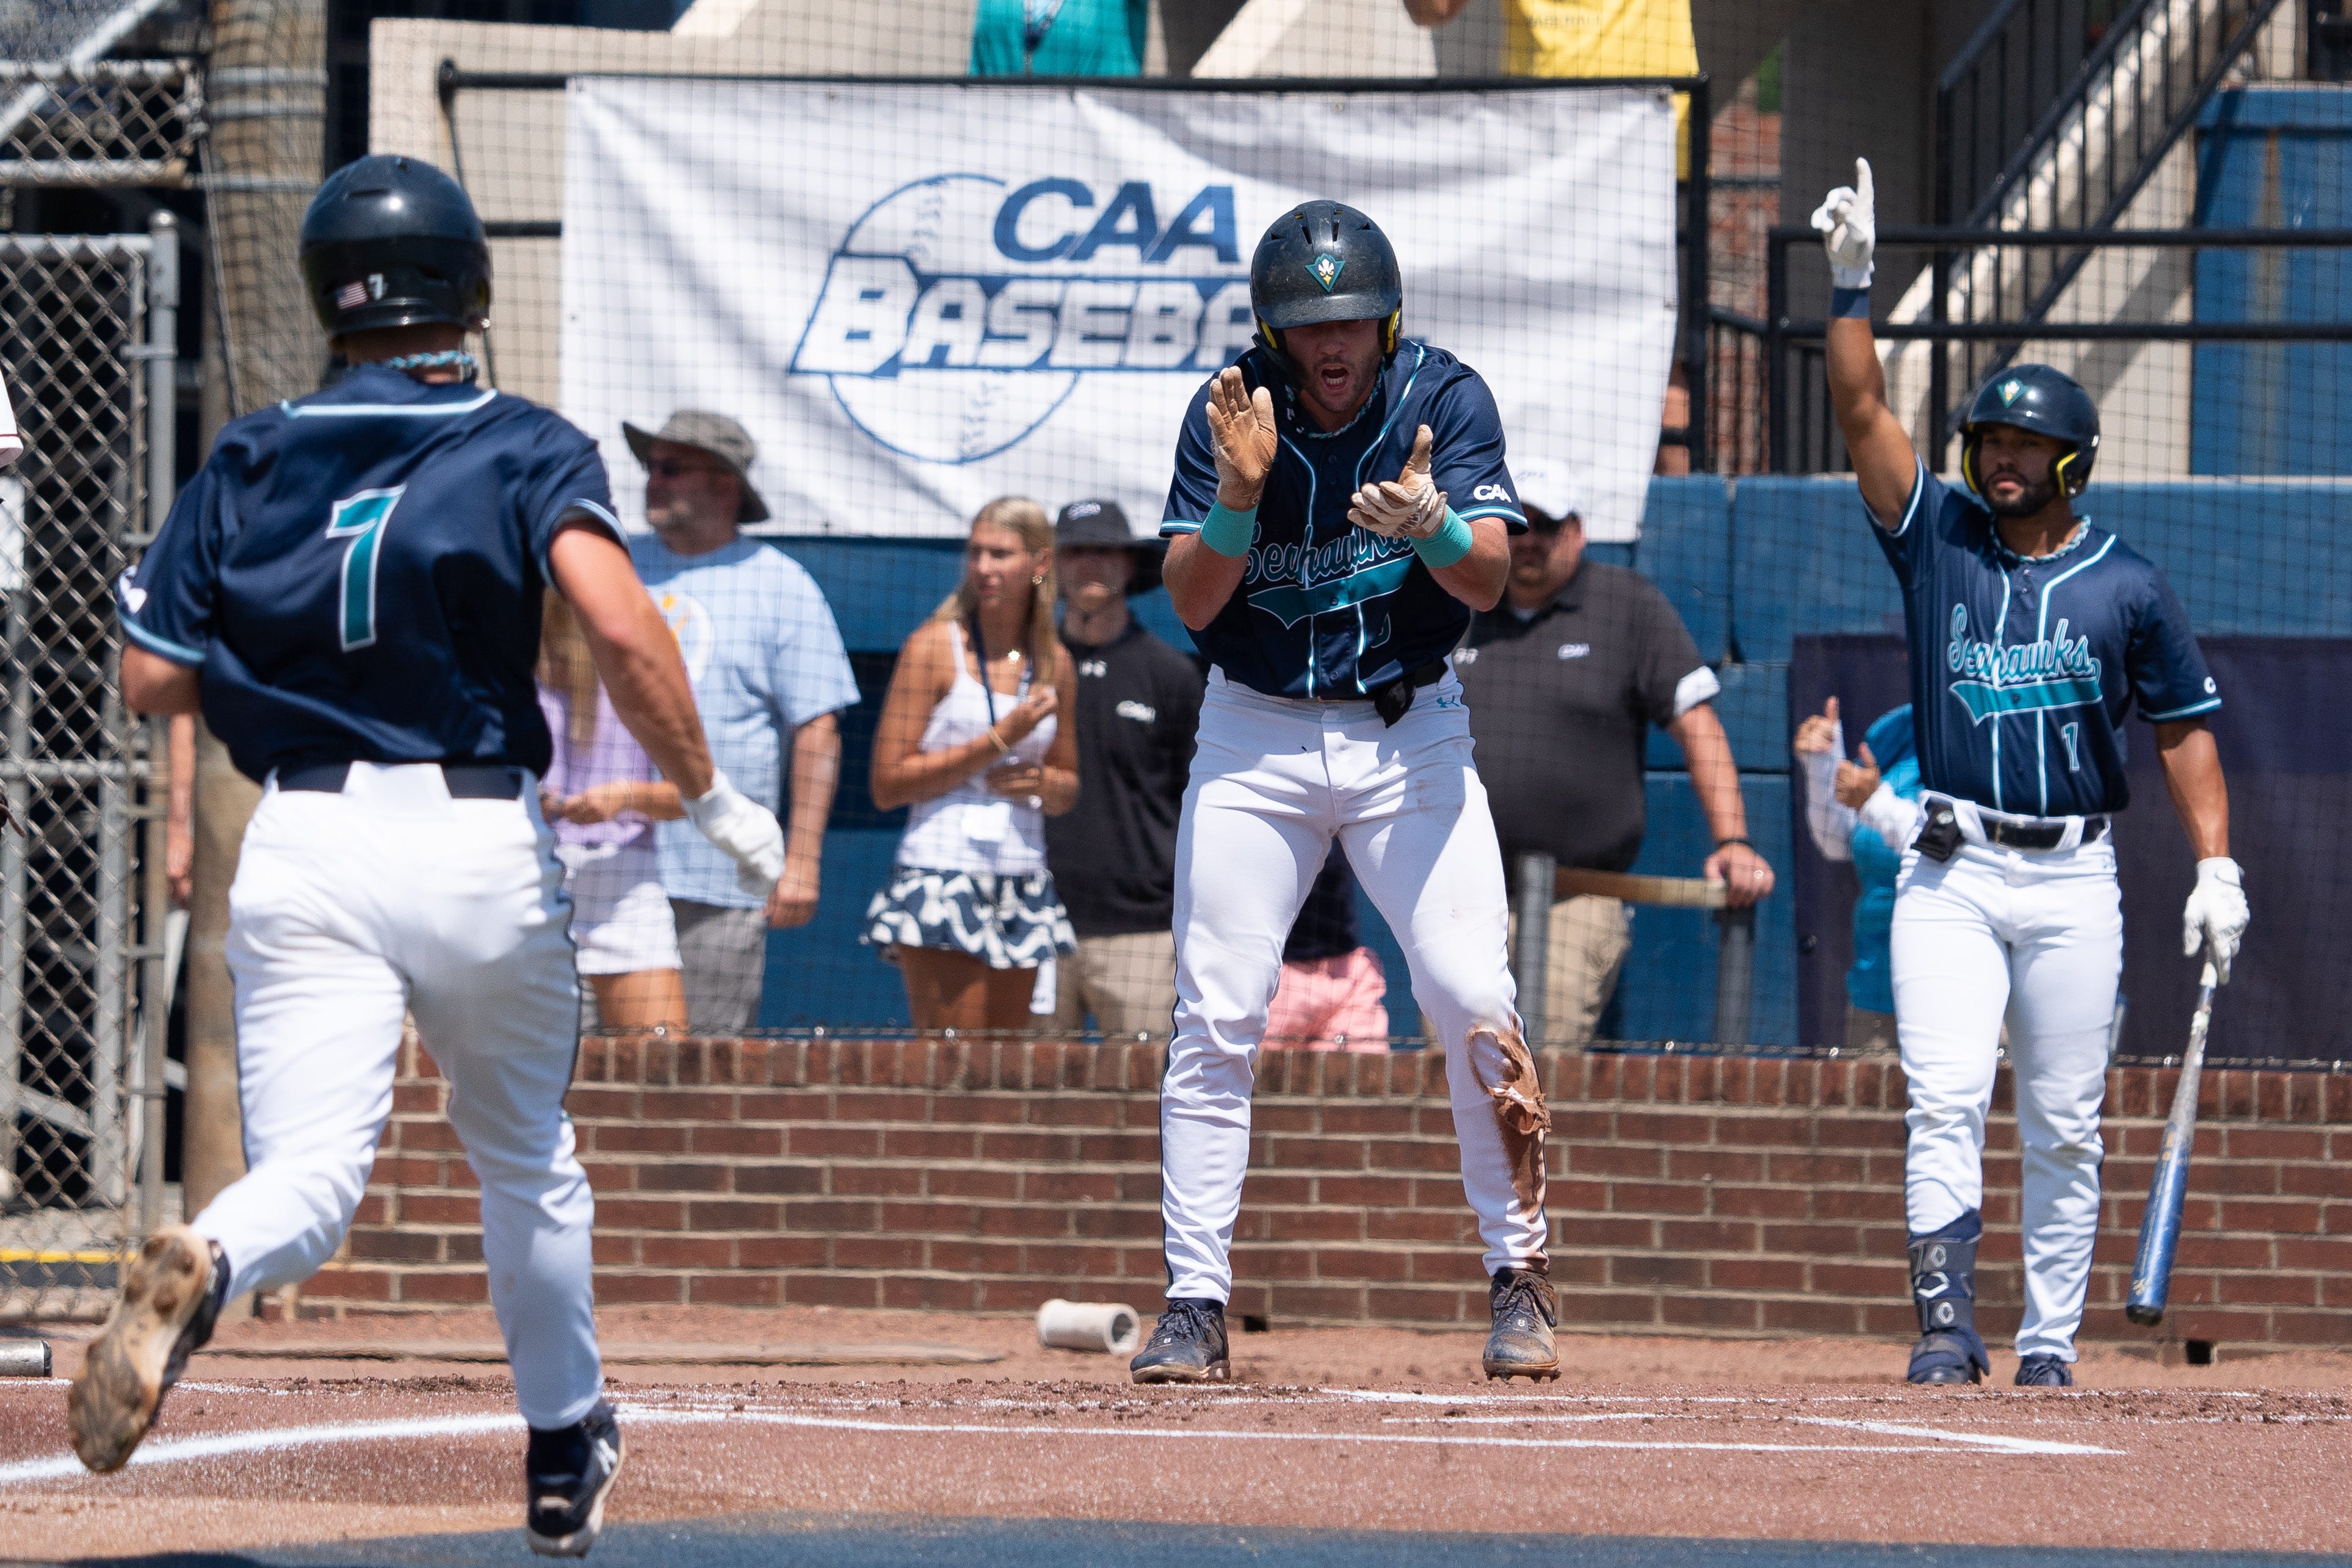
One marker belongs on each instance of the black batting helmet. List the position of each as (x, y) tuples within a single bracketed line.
[(1324, 261), (393, 242), (2045, 401)]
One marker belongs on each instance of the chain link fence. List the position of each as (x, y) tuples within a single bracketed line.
[(86, 329)]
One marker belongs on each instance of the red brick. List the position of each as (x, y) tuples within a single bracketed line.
[(1713, 1165), (725, 1213), (830, 1290), (641, 1138), (639, 1290), (1582, 1306), (1735, 1313), (686, 1252), (738, 1141), (1810, 1316), (930, 1292), (812, 1141), (1762, 1202), (349, 1284), (1656, 1197), (796, 1180), (1649, 1268), (416, 1285), (372, 1244), (972, 1182)]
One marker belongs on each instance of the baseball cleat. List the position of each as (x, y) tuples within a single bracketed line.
[(2044, 1372), (1187, 1345), (1948, 1357), (570, 1473), (1524, 1311), (170, 1298)]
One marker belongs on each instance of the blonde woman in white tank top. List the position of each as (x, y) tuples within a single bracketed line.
[(973, 738)]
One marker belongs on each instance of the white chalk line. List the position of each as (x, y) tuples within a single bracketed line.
[(1995, 1441), (181, 1450)]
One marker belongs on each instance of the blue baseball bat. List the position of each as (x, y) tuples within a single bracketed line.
[(2159, 1227)]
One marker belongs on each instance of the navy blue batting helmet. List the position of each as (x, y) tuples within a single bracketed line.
[(393, 242), (2045, 401), (1324, 261)]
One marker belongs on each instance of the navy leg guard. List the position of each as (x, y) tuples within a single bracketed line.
[(1944, 1289)]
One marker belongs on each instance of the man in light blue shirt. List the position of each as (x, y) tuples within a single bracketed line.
[(770, 673)]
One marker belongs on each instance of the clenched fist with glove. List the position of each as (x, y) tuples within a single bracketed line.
[(745, 830), (1847, 221), (2216, 915)]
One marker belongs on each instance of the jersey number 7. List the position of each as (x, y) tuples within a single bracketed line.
[(361, 519)]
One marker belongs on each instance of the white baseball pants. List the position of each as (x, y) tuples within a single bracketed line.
[(1273, 782), (347, 909), (2035, 938)]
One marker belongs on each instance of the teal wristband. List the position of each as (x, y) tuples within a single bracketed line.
[(1229, 532), (1449, 544)]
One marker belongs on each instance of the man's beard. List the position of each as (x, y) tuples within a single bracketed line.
[(2032, 497)]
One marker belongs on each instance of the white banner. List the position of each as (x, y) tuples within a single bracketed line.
[(919, 297)]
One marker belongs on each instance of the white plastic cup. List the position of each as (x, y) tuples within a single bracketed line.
[(1110, 1327), (23, 1358)]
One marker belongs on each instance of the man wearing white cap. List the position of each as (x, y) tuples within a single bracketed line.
[(1564, 678)]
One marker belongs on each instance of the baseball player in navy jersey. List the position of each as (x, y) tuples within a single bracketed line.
[(2033, 632), (1340, 507), (351, 590)]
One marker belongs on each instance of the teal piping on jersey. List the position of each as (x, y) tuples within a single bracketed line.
[(583, 504), (1507, 513), (1420, 356), (1910, 508), (1169, 530), (409, 411), (1308, 536), (2000, 640), (179, 654), (2041, 635), (2169, 714), (1291, 602)]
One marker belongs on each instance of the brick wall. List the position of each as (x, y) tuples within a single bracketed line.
[(1712, 1195)]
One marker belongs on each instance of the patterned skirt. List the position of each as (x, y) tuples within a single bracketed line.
[(1005, 922)]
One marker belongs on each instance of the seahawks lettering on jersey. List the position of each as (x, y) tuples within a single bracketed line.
[(1326, 609), (2023, 670), (357, 574)]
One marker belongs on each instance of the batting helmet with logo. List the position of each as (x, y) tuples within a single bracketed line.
[(2045, 401), (393, 242), (1324, 261)]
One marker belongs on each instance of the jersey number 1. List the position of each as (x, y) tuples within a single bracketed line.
[(361, 519)]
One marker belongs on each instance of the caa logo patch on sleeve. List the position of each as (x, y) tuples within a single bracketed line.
[(1490, 492)]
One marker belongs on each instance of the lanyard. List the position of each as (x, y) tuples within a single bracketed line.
[(979, 651), (1037, 17)]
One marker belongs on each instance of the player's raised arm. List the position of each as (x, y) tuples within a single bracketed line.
[(1204, 568), (1882, 454)]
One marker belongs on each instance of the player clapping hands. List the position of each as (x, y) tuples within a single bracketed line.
[(1409, 507), (1242, 439)]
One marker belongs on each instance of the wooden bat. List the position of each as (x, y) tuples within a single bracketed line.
[(1673, 891), (2160, 1227)]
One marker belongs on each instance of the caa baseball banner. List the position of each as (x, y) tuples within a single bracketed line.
[(918, 297)]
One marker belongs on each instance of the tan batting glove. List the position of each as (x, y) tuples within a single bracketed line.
[(1409, 507), (1241, 438)]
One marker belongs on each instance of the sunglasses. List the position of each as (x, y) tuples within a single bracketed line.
[(673, 468)]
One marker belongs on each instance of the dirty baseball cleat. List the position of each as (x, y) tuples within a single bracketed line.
[(569, 1471), (1187, 1345), (1526, 1310), (170, 1298), (2044, 1372)]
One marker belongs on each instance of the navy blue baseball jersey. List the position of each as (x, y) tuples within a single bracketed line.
[(1327, 609), (357, 574), (2023, 670)]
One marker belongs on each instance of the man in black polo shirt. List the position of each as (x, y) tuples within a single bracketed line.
[(1564, 678), (1113, 855)]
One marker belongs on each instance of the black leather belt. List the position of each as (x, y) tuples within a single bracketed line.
[(2043, 835), (1391, 698), (466, 780)]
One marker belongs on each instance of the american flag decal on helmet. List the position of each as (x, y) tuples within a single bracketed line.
[(351, 295)]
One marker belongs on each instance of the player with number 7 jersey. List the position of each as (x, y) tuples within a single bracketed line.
[(351, 590)]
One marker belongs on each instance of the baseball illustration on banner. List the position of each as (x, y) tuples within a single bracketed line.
[(1017, 293), (957, 316)]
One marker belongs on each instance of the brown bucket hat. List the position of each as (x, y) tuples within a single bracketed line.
[(712, 433)]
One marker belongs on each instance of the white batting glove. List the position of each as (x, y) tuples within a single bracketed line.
[(745, 830), (2216, 915), (1847, 221), (1409, 507)]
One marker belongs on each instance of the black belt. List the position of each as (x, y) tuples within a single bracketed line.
[(466, 780), (1391, 698), (2042, 835)]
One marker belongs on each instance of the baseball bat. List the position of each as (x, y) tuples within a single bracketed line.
[(2159, 1227)]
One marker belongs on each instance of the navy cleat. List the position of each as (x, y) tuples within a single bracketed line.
[(1187, 1345), (2044, 1372), (570, 1473), (1944, 1289), (1524, 1311)]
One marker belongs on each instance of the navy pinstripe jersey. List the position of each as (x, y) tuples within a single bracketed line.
[(358, 573), (2023, 670), (1326, 609)]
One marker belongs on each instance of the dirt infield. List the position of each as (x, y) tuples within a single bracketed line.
[(1378, 1431)]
